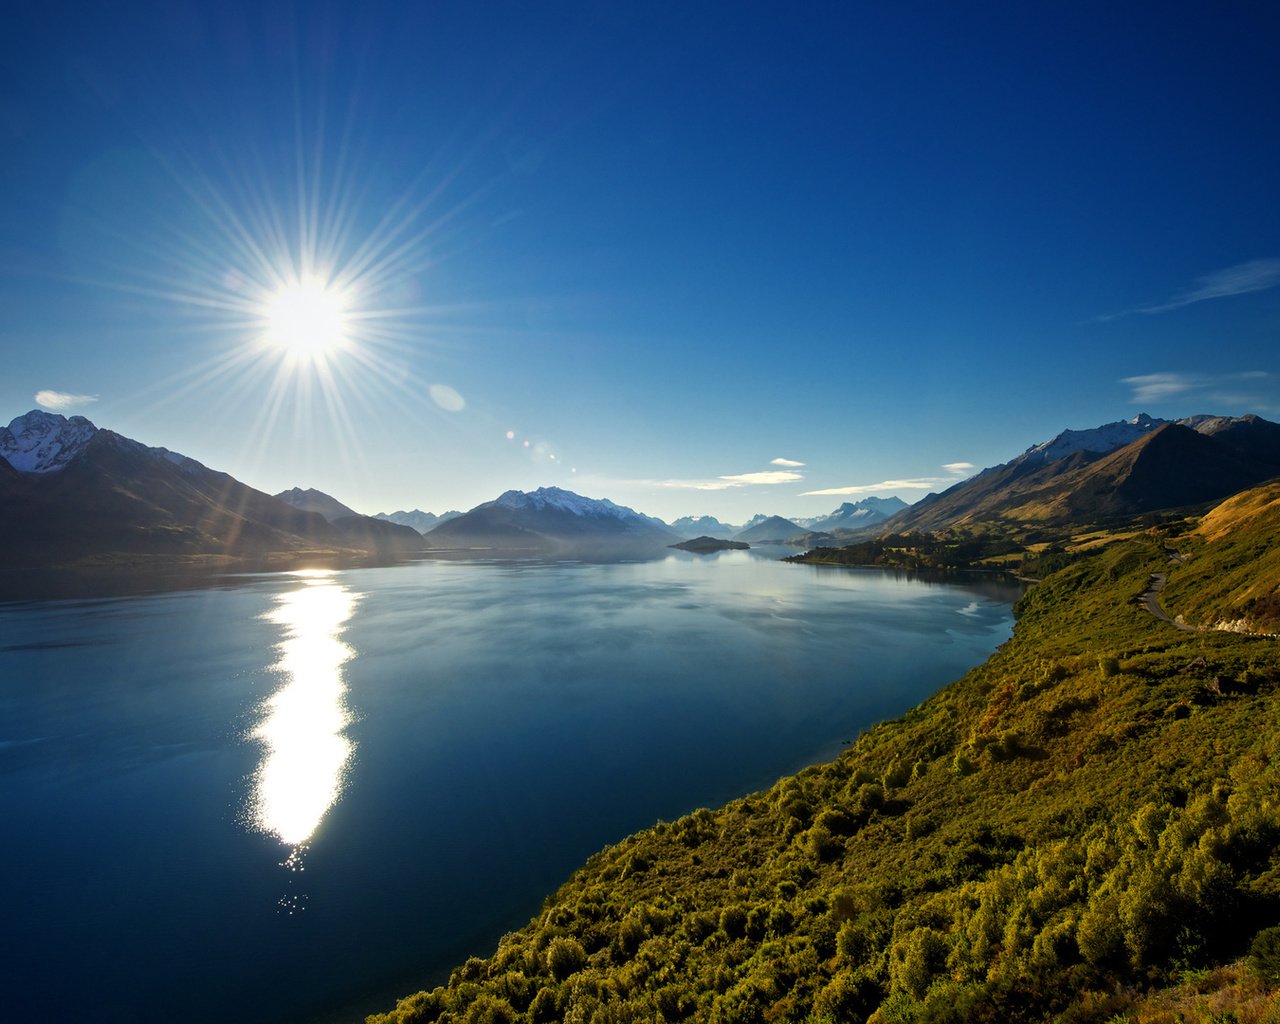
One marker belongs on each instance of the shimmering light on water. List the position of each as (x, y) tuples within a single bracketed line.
[(305, 749)]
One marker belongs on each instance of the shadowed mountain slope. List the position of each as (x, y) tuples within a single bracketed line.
[(104, 496), (1170, 465)]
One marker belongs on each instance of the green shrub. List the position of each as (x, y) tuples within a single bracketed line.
[(1264, 955), (565, 956)]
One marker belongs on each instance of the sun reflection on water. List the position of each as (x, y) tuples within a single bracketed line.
[(305, 750)]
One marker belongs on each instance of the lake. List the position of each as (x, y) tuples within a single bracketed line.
[(294, 797)]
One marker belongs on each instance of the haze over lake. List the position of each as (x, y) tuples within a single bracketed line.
[(303, 794)]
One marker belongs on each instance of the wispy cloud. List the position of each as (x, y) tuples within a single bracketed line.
[(785, 462), (724, 483), (1250, 386), (957, 470), (1240, 279), (60, 400), (919, 484)]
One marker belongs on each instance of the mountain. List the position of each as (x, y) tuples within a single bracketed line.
[(417, 519), (1119, 469), (703, 526), (856, 515), (312, 500), (1103, 439), (84, 494), (769, 530), (551, 520), (41, 442)]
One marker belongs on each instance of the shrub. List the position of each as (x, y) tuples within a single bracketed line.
[(565, 956), (1264, 955)]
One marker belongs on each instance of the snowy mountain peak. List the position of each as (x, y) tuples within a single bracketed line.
[(563, 501), (1103, 439), (44, 442), (856, 514)]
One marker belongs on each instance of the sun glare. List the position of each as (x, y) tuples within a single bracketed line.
[(307, 320)]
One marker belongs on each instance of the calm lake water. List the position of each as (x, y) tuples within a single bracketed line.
[(295, 797)]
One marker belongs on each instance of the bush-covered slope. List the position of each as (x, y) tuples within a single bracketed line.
[(1088, 815), (1231, 575)]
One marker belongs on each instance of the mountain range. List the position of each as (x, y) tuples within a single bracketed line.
[(550, 520), (421, 521), (71, 492), (856, 515), (852, 515), (1114, 471)]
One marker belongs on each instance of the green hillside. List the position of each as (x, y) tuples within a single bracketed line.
[(1080, 829)]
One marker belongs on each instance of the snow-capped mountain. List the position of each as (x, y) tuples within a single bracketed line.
[(856, 515), (46, 442), (1115, 470), (550, 519), (418, 520), (312, 500), (559, 500), (1103, 439), (42, 442), (72, 491)]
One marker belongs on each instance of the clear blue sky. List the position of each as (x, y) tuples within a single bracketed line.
[(664, 245)]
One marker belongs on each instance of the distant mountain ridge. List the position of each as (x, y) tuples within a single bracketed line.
[(771, 529), (855, 515), (704, 526), (418, 520), (75, 492), (1119, 469), (551, 519), (311, 500)]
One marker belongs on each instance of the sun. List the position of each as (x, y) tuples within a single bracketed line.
[(306, 319)]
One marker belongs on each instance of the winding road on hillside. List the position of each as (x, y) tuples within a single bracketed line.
[(1151, 602)]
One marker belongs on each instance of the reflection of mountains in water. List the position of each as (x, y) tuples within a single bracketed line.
[(989, 584)]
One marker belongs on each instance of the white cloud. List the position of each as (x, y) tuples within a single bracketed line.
[(919, 483), (1252, 276), (60, 400), (725, 483), (923, 483), (1240, 279), (1249, 387), (1154, 387), (445, 397), (785, 462)]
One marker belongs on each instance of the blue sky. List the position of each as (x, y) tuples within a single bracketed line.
[(691, 257)]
